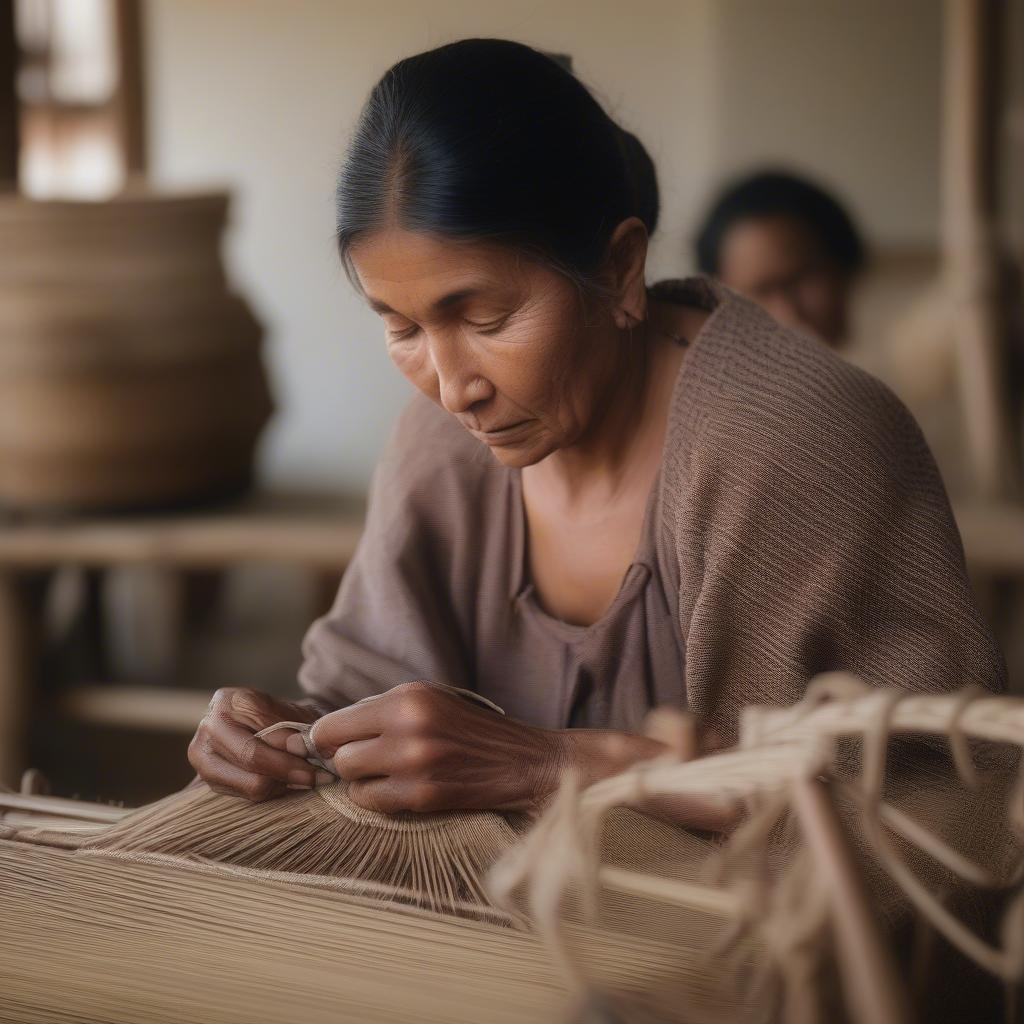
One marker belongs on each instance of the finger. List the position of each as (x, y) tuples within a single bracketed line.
[(364, 759), (362, 721), (288, 740), (240, 747), (392, 795), (222, 776), (250, 708)]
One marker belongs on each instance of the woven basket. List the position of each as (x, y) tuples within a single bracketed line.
[(129, 374)]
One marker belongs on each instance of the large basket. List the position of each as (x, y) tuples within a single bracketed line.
[(129, 375)]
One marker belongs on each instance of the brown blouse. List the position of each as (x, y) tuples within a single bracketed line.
[(797, 524)]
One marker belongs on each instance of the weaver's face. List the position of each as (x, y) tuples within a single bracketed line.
[(783, 267), (497, 340)]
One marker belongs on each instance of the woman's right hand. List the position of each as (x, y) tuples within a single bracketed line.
[(229, 758)]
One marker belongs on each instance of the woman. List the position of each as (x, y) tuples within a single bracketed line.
[(607, 497)]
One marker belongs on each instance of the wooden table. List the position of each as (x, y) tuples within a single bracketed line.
[(318, 532)]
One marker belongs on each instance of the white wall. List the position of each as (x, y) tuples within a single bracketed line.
[(259, 95), (848, 91)]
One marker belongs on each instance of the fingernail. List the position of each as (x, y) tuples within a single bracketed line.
[(324, 778), (296, 785)]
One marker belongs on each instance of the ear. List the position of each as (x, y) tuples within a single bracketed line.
[(626, 262)]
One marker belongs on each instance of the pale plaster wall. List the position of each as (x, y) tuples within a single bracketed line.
[(259, 96)]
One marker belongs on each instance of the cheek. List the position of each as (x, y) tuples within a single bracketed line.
[(411, 360), (532, 365)]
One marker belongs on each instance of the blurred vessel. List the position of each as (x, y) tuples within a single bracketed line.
[(130, 374)]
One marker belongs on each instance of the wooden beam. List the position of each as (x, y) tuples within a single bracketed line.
[(971, 250), (16, 637), (993, 537), (131, 90), (9, 106), (152, 708), (872, 988), (311, 533)]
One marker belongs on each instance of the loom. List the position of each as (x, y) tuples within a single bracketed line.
[(205, 908)]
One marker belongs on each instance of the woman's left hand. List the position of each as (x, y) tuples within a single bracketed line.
[(417, 747)]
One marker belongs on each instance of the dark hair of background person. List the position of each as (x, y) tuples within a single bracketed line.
[(486, 139), (780, 193)]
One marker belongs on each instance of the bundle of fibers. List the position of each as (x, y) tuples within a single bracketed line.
[(438, 861), (935, 850)]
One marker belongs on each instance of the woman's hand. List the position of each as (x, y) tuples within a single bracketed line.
[(417, 747), (229, 758)]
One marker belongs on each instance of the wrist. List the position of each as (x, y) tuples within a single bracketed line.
[(595, 754)]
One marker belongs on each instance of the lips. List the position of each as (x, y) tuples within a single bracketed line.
[(500, 433)]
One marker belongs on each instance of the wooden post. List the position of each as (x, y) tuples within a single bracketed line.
[(971, 250), (131, 94), (872, 988), (16, 632), (9, 127)]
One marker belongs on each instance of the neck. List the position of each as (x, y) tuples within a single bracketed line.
[(605, 456), (625, 441)]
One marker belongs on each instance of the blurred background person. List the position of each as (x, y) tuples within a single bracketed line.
[(789, 245)]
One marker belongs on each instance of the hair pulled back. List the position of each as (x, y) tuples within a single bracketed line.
[(486, 139)]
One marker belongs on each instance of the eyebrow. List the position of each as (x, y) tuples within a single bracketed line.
[(442, 303)]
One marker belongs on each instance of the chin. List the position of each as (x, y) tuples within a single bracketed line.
[(521, 455)]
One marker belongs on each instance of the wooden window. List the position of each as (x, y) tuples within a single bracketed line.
[(78, 96)]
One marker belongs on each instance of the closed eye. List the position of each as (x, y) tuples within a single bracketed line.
[(490, 326), (403, 334)]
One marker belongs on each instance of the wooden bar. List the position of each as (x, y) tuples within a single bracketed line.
[(9, 106), (15, 677), (152, 708), (970, 245), (993, 536), (313, 534), (131, 95), (872, 989)]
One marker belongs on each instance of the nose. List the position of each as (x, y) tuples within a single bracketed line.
[(460, 384)]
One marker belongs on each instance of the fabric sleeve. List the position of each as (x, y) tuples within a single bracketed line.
[(393, 619)]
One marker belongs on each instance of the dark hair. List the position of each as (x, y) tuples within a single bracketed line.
[(488, 139), (643, 181), (779, 193)]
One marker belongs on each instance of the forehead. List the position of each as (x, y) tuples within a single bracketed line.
[(394, 263), (756, 246)]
